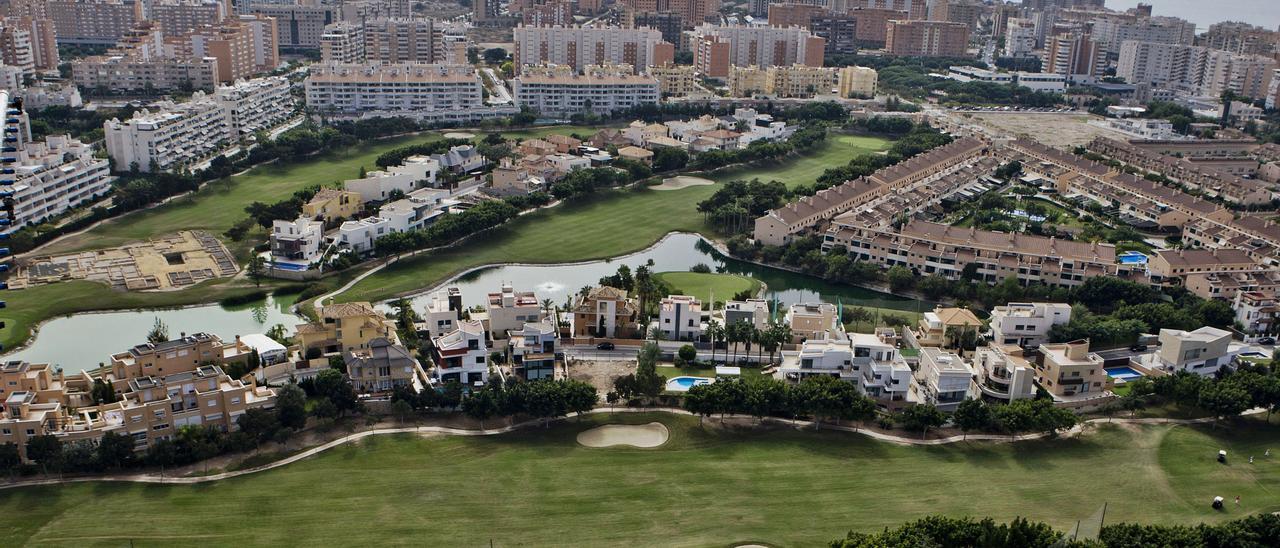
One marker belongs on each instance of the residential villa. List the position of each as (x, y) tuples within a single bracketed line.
[(876, 367), (605, 312), (680, 318), (383, 366), (443, 312), (1002, 373), (1027, 324), (1257, 311), (331, 204), (814, 322), (752, 311), (1203, 351), (462, 355), (933, 326), (533, 350), (635, 154), (298, 240), (1070, 369), (344, 327), (945, 378), (510, 310)]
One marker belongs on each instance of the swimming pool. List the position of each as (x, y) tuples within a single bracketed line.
[(1123, 373), (290, 266), (683, 384), (1132, 257)]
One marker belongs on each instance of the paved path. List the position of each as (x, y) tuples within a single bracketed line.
[(881, 436)]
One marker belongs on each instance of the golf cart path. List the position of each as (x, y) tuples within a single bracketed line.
[(902, 440)]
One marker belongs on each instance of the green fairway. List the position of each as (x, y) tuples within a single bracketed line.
[(836, 151), (706, 487), (708, 285), (611, 224)]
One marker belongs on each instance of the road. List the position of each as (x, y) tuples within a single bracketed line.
[(628, 353), (498, 94)]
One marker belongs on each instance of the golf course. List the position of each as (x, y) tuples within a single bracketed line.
[(707, 485)]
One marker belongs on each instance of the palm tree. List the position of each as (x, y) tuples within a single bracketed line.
[(551, 310), (714, 332), (762, 337), (732, 334), (779, 333), (655, 333)]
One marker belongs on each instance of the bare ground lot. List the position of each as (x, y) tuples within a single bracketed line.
[(600, 374), (1054, 129)]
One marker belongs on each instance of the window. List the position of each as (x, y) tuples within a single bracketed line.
[(235, 401), (7, 431), (31, 432)]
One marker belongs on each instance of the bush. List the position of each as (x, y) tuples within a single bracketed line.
[(688, 353), (250, 297)]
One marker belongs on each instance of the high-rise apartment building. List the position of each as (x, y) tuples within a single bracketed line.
[(1241, 38), (177, 17), (916, 9), (716, 48), (41, 38), (873, 23), (600, 89), (966, 12), (1019, 38), (1075, 56), (1195, 69), (1112, 31), (16, 48), (297, 26), (692, 12), (85, 21), (927, 38), (579, 47)]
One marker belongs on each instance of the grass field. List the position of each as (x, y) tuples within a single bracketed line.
[(836, 151), (611, 224), (706, 487), (705, 285)]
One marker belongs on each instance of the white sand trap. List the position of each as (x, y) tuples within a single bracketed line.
[(459, 135), (635, 435), (682, 181)]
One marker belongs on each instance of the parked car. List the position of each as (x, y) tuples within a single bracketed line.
[(604, 346), (1138, 347), (1267, 341)]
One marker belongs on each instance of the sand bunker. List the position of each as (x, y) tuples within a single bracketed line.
[(635, 435), (459, 135), (682, 181)]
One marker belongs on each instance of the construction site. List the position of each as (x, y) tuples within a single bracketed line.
[(166, 263)]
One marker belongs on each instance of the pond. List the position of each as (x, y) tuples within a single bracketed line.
[(83, 341), (677, 252)]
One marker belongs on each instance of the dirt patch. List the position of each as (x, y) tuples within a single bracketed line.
[(653, 434), (600, 374), (1053, 129), (682, 181), (168, 262), (459, 135)]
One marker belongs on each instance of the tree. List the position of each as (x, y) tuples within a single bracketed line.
[(291, 407), (45, 449), (972, 414), (900, 278), (481, 405), (648, 381), (402, 410), (10, 459), (259, 424), (1224, 399), (922, 417), (715, 332), (688, 353), (101, 392), (115, 451), (256, 269), (159, 332)]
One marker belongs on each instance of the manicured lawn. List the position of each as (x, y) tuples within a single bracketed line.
[(706, 487), (836, 151), (613, 223), (705, 285), (671, 371)]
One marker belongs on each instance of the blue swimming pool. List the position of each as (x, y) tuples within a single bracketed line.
[(683, 384), (289, 266), (1123, 373), (1132, 257)]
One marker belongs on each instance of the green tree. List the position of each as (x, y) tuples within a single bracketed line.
[(291, 407), (900, 278), (921, 417), (481, 405), (256, 269), (1224, 399), (648, 381), (159, 332), (101, 392), (688, 353), (972, 414), (45, 449), (10, 458), (115, 451)]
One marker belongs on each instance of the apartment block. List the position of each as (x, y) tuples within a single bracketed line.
[(945, 378), (42, 39), (1027, 324), (1020, 38), (438, 92), (914, 9), (668, 23), (141, 62), (676, 80), (797, 81), (1003, 373), (1075, 56), (855, 81), (560, 90), (181, 134), (55, 175), (382, 367), (1241, 38), (266, 40), (177, 17), (384, 40), (1070, 369), (716, 48), (927, 38), (1112, 32), (16, 49), (872, 24), (86, 21), (579, 47), (1196, 175), (691, 12), (345, 326), (298, 26), (255, 105), (1195, 69)]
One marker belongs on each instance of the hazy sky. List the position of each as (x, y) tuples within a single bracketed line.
[(1265, 13)]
